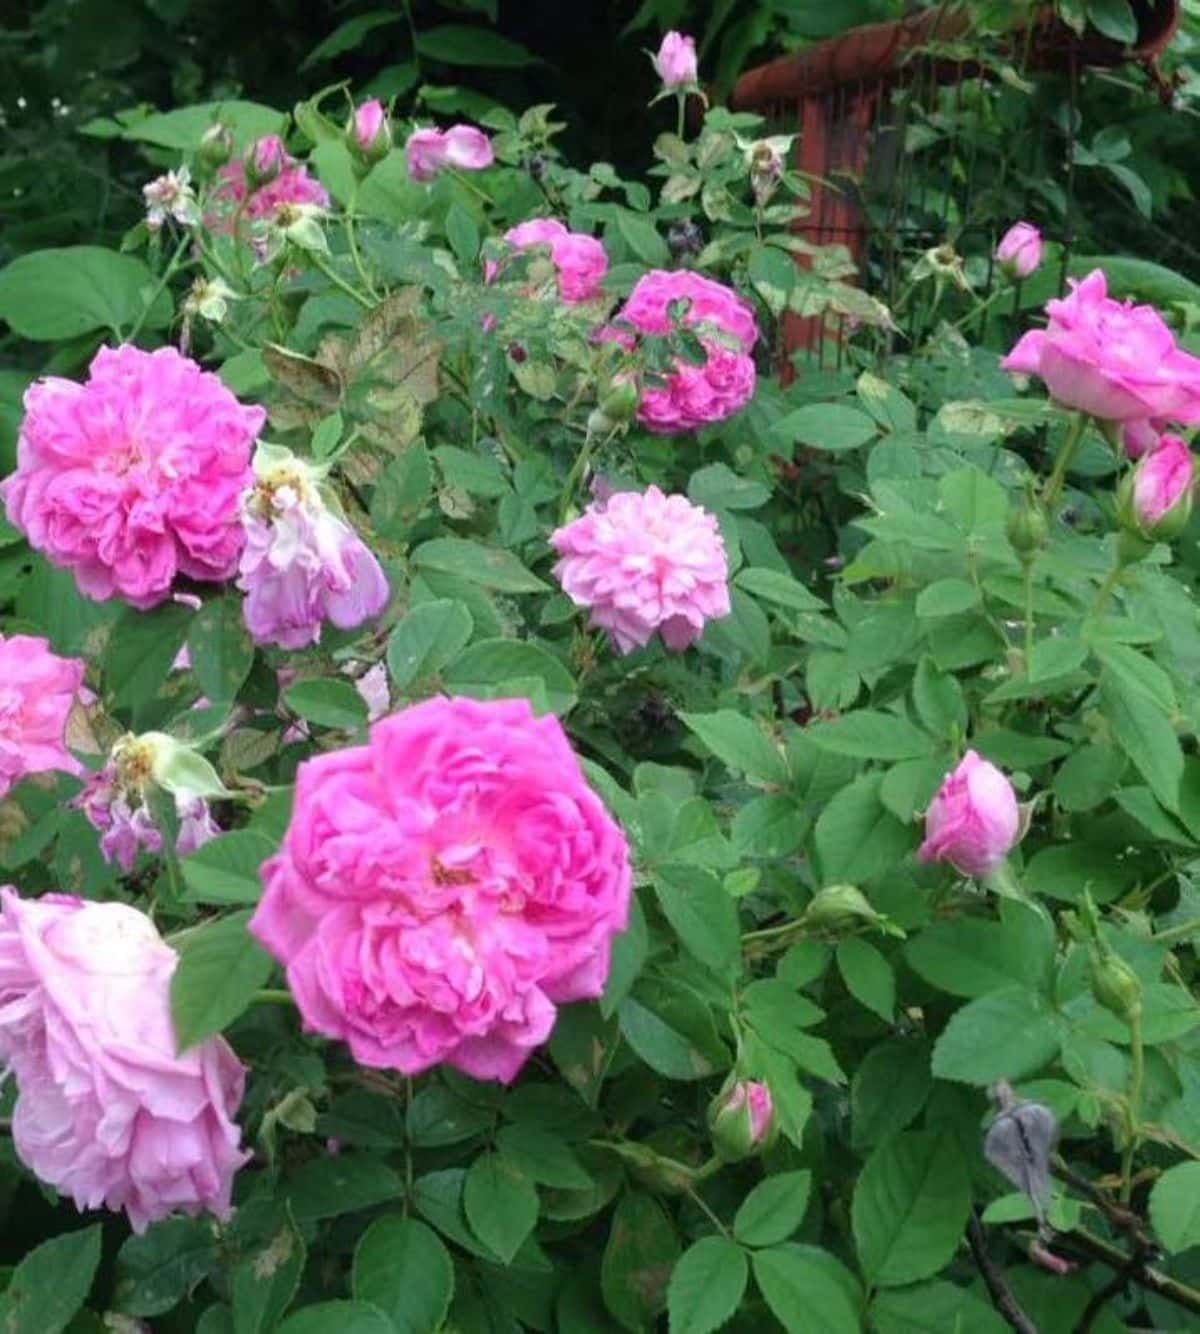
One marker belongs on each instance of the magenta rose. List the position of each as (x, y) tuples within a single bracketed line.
[(37, 692), (1111, 359), (134, 477), (441, 888), (973, 821), (1020, 250), (579, 260), (1158, 499), (107, 1111)]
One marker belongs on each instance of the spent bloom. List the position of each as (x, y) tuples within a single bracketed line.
[(1156, 501), (107, 1111), (1112, 359), (302, 563), (38, 690), (258, 183), (1019, 1143), (209, 298), (741, 1119), (440, 889), (171, 196), (689, 395), (973, 820), (133, 477), (675, 60), (645, 562), (463, 147), (580, 261), (1020, 250)]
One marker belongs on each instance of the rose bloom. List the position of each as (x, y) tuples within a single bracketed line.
[(133, 477), (579, 260), (461, 146), (370, 125), (973, 821), (440, 889), (675, 62), (37, 692), (280, 180), (1162, 488), (691, 396), (107, 1111), (1020, 250), (645, 563), (1111, 359)]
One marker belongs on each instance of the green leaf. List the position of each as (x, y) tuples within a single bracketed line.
[(183, 128), (330, 1186), (857, 838), (492, 667), (971, 957), (947, 597), (347, 36), (1175, 1207), (831, 427), (1088, 776), (156, 1270), (462, 231), (220, 968), (718, 487), (477, 474), (703, 915), (638, 1260), (220, 649), (868, 976), (338, 1318), (51, 1283), (501, 1204), (889, 1088), (974, 500), (1145, 734), (910, 1207), (327, 703), (939, 699), (403, 489), (740, 744), (1058, 655), (265, 1280), (640, 236), (934, 1306), (138, 658), (1007, 1034), (867, 735), (226, 869), (773, 1210), (457, 44), (402, 1267), (706, 1286), (53, 295), (543, 1157), (782, 589), (490, 567), (803, 1294), (1115, 19), (662, 1047), (430, 635)]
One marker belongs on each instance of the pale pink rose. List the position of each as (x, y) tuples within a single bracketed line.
[(675, 62), (442, 887), (1020, 250), (374, 690), (973, 821), (302, 565), (107, 1111), (645, 562), (1112, 359), (1162, 484), (259, 194), (461, 146), (133, 477), (1140, 435), (37, 692), (691, 396), (579, 260), (370, 121)]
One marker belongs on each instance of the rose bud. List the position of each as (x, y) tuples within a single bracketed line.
[(675, 62), (1155, 501), (1020, 250), (264, 160), (1114, 984), (216, 145), (368, 132), (741, 1119), (973, 820)]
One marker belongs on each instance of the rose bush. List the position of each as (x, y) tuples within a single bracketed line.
[(532, 804)]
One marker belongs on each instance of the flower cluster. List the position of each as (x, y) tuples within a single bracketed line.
[(257, 184), (579, 260), (302, 564), (442, 887), (38, 690), (645, 562), (107, 1111), (690, 395), (133, 477), (462, 147)]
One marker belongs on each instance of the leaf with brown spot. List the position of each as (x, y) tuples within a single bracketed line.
[(641, 1252)]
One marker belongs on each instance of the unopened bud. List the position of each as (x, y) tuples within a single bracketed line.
[(839, 905), (1027, 529), (1115, 985), (741, 1120), (264, 160), (216, 145), (620, 401), (1154, 502), (368, 133)]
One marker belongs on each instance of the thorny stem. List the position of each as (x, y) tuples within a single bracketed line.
[(1027, 571), (1111, 580), (1176, 933), (680, 108), (319, 261), (274, 996), (1133, 1113), (463, 179), (698, 1200), (159, 287), (1058, 477), (352, 243), (994, 1277), (578, 468)]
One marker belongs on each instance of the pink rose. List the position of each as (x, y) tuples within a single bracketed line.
[(133, 477), (1160, 496), (691, 396), (1020, 250), (461, 146), (442, 887), (675, 62), (107, 1111), (369, 120), (579, 260), (425, 154), (37, 692), (742, 1120), (1112, 359), (973, 820), (645, 563)]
